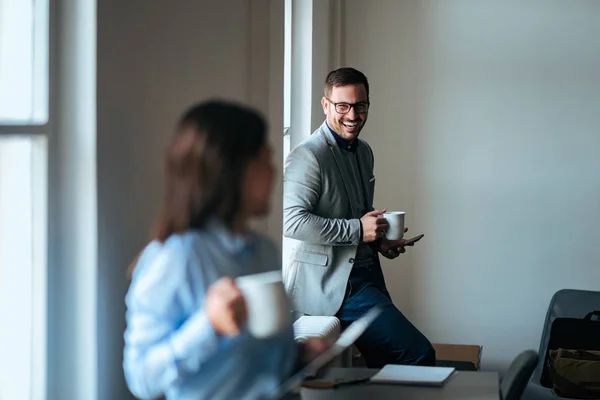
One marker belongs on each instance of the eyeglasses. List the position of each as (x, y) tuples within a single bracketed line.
[(344, 108)]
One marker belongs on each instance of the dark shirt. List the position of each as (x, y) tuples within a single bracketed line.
[(344, 144)]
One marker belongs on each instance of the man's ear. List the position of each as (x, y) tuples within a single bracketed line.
[(324, 103)]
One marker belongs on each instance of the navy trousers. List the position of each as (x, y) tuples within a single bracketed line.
[(392, 338)]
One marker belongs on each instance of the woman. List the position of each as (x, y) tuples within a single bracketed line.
[(185, 335)]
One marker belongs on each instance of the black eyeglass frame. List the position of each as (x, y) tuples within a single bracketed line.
[(356, 106)]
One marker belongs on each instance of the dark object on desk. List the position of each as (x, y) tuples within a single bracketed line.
[(333, 383), (343, 343), (514, 382), (458, 365), (571, 333)]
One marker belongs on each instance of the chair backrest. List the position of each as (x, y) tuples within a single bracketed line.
[(515, 380), (566, 303)]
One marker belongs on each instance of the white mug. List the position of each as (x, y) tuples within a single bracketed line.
[(267, 302), (395, 220)]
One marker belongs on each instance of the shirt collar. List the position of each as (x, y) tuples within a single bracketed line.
[(232, 242), (344, 144)]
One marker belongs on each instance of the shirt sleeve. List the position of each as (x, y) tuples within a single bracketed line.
[(164, 342), (301, 193)]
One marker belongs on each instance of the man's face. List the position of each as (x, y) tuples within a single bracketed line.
[(350, 124)]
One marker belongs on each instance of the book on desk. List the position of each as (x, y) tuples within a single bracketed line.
[(413, 375)]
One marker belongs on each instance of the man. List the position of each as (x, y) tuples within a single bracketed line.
[(334, 268)]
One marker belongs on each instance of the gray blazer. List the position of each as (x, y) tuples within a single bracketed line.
[(315, 207)]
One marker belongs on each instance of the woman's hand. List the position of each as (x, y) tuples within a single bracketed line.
[(311, 348), (226, 307)]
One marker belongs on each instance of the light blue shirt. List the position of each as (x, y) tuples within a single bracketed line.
[(171, 347)]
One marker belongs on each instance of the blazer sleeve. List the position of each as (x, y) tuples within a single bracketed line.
[(302, 189)]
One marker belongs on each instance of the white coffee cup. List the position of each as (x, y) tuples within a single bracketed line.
[(268, 305), (395, 219)]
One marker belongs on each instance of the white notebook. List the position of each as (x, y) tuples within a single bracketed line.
[(413, 375)]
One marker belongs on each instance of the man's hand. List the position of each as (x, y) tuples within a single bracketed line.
[(226, 307), (391, 248), (374, 225)]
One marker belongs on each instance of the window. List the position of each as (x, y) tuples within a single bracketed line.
[(24, 122), (22, 263), (23, 62), (287, 78)]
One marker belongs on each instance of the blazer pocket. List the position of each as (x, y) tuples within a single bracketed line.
[(310, 257)]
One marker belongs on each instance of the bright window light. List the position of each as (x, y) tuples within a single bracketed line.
[(22, 265), (23, 62), (24, 38)]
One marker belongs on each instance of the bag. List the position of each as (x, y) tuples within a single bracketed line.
[(575, 373), (571, 333)]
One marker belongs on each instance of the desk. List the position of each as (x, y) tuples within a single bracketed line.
[(463, 385)]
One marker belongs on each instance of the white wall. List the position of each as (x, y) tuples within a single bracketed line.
[(485, 126), (156, 58)]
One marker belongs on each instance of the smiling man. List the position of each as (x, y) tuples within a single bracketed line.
[(334, 268)]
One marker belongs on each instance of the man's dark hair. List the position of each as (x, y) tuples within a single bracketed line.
[(343, 77), (205, 165)]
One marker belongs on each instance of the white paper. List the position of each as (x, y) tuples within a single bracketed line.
[(413, 375)]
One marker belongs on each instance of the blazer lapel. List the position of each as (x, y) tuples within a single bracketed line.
[(366, 174)]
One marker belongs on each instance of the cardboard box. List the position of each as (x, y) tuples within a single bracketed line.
[(458, 352)]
